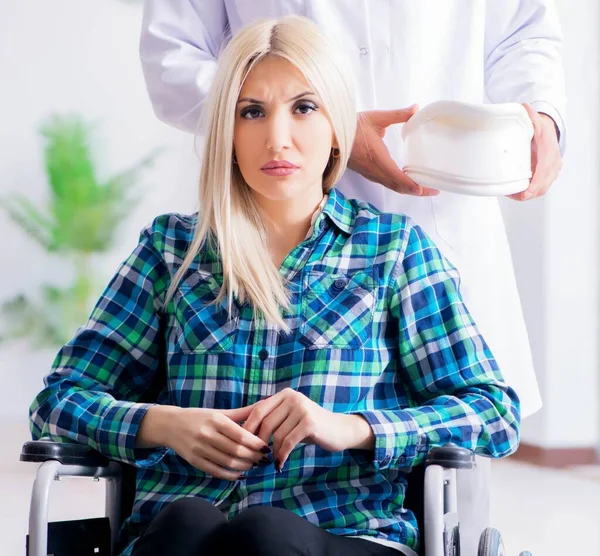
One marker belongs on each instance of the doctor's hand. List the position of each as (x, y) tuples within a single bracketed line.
[(291, 418), (546, 160), (371, 158)]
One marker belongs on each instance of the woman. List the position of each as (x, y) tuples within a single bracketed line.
[(307, 349), (405, 52)]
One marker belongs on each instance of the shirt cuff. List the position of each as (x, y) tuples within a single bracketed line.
[(549, 110), (116, 435), (397, 440)]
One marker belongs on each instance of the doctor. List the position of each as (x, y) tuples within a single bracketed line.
[(405, 52)]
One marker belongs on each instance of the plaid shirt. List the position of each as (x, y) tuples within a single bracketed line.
[(379, 329)]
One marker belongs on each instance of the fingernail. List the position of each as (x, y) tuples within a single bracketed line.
[(266, 450), (242, 477), (265, 461), (278, 465)]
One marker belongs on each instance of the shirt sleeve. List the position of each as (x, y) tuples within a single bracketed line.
[(458, 393), (523, 57), (94, 393), (179, 44)]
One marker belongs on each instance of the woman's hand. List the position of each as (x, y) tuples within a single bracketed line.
[(371, 158), (290, 417), (209, 439)]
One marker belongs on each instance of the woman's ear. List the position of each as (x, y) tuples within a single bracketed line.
[(335, 148)]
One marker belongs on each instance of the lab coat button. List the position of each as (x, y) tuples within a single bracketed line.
[(364, 51)]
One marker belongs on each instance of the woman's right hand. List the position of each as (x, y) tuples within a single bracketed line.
[(211, 440)]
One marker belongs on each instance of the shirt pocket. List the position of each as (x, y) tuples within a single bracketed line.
[(204, 326), (337, 309)]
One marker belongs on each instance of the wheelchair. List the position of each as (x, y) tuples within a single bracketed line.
[(431, 494)]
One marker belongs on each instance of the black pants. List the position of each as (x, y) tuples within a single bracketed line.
[(194, 527)]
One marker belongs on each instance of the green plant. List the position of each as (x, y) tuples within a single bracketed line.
[(81, 220)]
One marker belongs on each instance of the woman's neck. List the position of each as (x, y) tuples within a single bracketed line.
[(288, 222)]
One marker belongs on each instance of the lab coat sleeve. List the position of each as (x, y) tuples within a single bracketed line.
[(179, 45), (523, 61)]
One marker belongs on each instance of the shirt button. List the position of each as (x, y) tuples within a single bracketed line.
[(263, 354), (364, 51), (339, 284), (385, 460)]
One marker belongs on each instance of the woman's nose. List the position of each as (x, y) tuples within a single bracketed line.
[(279, 133)]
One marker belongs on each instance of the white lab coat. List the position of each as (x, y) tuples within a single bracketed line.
[(403, 52)]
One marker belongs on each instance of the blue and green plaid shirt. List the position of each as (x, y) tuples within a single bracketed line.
[(379, 329)]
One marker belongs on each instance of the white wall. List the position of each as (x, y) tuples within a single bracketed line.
[(81, 55), (555, 247), (74, 56)]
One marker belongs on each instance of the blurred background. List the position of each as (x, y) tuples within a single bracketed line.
[(78, 137)]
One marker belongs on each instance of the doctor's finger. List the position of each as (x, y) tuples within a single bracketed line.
[(544, 174), (547, 163), (399, 182), (547, 159), (541, 181), (385, 118), (538, 166), (535, 118), (395, 179)]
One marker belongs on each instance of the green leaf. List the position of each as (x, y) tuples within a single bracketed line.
[(67, 157), (29, 320), (82, 217), (35, 224)]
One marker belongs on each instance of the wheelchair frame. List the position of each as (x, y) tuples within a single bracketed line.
[(439, 530)]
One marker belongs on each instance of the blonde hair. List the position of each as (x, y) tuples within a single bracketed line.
[(229, 218)]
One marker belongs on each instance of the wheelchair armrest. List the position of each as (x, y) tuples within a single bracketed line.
[(450, 456), (66, 453)]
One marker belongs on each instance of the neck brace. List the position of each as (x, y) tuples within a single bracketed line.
[(473, 149)]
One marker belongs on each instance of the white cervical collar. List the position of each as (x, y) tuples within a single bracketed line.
[(474, 149)]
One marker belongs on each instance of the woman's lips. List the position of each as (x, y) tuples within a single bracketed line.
[(279, 168), (281, 171)]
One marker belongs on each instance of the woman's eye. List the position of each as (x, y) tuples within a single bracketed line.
[(251, 113), (305, 108)]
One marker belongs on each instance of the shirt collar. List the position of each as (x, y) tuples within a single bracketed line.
[(339, 210), (336, 207), (314, 217)]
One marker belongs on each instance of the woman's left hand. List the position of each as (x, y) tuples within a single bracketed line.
[(290, 417)]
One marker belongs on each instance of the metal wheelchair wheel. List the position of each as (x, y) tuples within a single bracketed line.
[(453, 548), (490, 543)]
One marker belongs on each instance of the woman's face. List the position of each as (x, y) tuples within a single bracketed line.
[(282, 137)]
